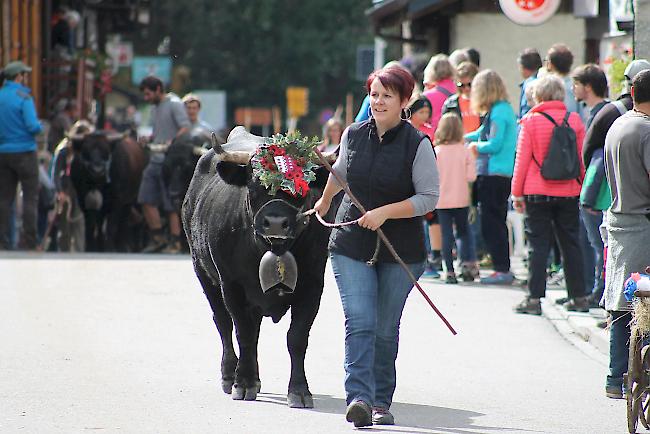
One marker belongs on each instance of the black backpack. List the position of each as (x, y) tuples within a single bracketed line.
[(562, 161)]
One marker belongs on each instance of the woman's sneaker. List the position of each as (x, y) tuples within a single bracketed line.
[(468, 272), (531, 306), (382, 416), (451, 279), (359, 413)]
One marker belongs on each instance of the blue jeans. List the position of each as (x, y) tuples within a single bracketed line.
[(619, 341), (592, 223), (373, 298), (466, 252)]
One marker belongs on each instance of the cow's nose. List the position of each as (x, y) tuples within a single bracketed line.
[(275, 226)]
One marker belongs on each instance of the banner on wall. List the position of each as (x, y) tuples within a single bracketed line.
[(529, 12)]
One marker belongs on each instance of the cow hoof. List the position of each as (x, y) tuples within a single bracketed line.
[(258, 386), (240, 393), (298, 400), (226, 386)]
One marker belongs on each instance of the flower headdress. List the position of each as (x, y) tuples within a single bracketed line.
[(286, 163)]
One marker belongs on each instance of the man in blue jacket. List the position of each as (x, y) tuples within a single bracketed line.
[(18, 163)]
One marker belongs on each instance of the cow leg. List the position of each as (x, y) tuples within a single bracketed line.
[(224, 324), (302, 318), (247, 329)]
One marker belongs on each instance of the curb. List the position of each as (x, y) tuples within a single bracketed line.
[(578, 326)]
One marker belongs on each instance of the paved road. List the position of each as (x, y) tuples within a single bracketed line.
[(126, 344)]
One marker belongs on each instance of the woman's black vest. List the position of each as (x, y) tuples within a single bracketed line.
[(380, 173)]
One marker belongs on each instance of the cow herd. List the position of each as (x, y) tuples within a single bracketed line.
[(99, 174)]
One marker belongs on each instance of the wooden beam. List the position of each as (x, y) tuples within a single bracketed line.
[(24, 31), (15, 30), (36, 53)]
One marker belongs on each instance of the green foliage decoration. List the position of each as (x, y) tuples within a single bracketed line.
[(297, 152)]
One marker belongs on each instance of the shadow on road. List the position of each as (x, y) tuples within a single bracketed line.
[(410, 417)]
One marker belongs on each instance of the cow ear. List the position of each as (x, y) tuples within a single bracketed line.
[(321, 177), (235, 174)]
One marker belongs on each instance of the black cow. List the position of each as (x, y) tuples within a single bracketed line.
[(106, 171), (250, 251), (179, 164)]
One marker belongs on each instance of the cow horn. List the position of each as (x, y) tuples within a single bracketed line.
[(234, 156), (197, 150), (330, 157)]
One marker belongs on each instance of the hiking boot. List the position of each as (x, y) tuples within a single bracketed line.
[(381, 416), (578, 304), (614, 392), (156, 244), (498, 278), (451, 279), (359, 413), (468, 272), (531, 306)]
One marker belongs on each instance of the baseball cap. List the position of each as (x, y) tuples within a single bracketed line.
[(14, 68), (635, 67)]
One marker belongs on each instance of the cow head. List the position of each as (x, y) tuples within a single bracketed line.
[(274, 210), (93, 155), (178, 166)]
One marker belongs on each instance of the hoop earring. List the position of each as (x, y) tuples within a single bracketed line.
[(408, 116)]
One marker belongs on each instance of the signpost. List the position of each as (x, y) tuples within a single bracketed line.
[(297, 104)]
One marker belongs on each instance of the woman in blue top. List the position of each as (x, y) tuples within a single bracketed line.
[(494, 144), (18, 162)]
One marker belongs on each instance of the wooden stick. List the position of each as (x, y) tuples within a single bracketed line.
[(382, 236)]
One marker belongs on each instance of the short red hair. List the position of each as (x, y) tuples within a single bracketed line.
[(395, 78)]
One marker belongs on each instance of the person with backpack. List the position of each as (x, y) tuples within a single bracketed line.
[(546, 185), (438, 84)]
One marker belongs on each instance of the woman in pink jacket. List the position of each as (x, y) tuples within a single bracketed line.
[(550, 205)]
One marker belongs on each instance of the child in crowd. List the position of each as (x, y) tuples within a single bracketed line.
[(457, 168), (420, 114)]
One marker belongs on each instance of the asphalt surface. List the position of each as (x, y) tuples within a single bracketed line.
[(126, 344)]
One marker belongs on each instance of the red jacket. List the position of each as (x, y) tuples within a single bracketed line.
[(534, 138)]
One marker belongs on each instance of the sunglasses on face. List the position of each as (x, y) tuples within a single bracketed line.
[(462, 85)]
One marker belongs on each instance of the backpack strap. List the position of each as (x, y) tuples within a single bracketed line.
[(550, 118), (444, 90)]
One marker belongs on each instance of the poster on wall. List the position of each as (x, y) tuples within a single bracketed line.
[(529, 12)]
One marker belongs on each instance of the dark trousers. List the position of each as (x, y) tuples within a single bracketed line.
[(14, 168), (493, 193), (543, 215), (458, 217)]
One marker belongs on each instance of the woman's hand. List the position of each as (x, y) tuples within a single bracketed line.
[(322, 206), (373, 219), (519, 205)]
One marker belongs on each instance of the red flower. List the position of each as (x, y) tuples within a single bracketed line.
[(301, 186), (276, 150)]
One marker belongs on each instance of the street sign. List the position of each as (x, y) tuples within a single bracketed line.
[(297, 101), (160, 66)]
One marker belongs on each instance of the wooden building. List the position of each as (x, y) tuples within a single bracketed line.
[(22, 38)]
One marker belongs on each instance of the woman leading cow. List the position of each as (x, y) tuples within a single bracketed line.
[(391, 169)]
